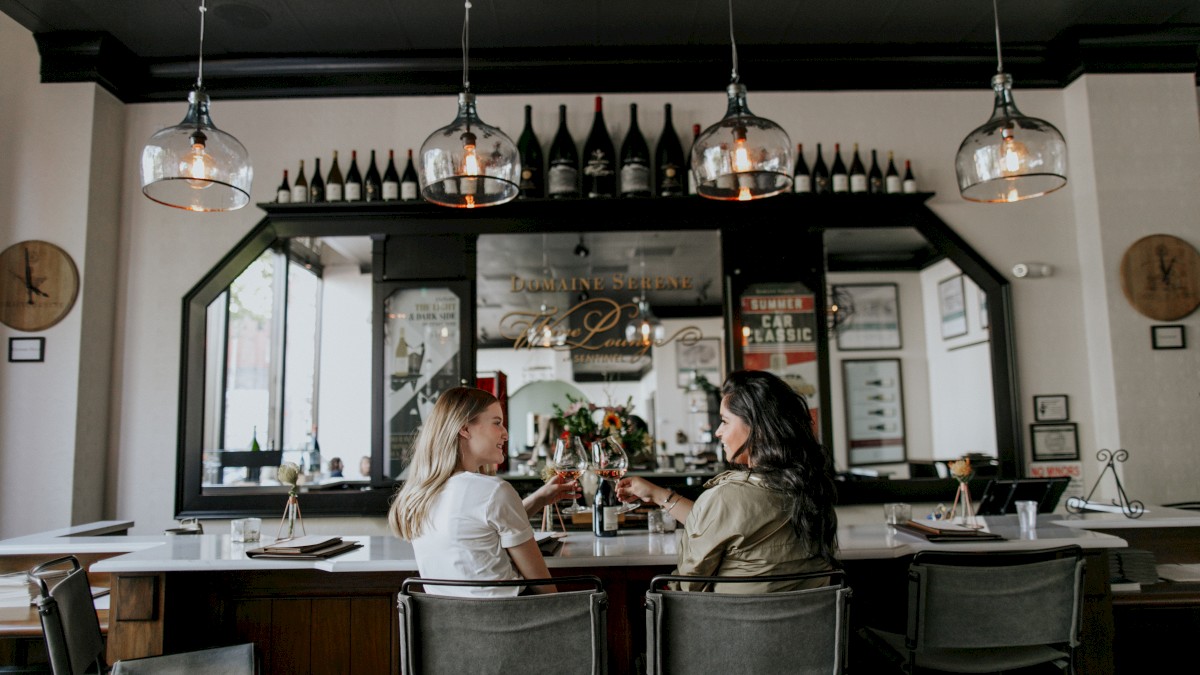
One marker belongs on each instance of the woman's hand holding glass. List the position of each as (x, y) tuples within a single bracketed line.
[(610, 462), (569, 462)]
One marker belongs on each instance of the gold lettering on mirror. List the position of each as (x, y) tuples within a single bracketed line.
[(616, 282), (595, 316)]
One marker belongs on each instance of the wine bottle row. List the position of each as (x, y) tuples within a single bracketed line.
[(355, 186), (823, 179)]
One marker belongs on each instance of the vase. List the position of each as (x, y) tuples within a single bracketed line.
[(291, 516), (962, 512)]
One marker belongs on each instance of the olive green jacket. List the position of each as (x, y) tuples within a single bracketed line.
[(740, 527)]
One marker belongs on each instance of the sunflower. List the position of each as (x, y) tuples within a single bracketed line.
[(612, 421)]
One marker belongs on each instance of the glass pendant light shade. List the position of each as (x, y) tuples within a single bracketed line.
[(742, 157), (469, 164), (645, 329), (196, 166), (1012, 156)]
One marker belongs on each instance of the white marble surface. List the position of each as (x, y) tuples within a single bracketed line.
[(1153, 516)]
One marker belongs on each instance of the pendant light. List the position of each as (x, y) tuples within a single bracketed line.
[(742, 157), (541, 332), (194, 165), (645, 329), (468, 163), (1012, 156)]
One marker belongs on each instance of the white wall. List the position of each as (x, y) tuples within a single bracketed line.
[(344, 412)]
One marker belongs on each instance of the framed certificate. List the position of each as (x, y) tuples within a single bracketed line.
[(1054, 441), (952, 307), (1051, 408), (874, 316)]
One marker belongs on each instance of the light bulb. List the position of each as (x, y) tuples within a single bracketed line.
[(744, 194), (1013, 152), (741, 155), (198, 165), (470, 162)]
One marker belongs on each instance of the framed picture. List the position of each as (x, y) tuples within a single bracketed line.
[(983, 312), (702, 357), (1055, 441), (1051, 408), (874, 411), (952, 307), (873, 320), (1168, 337), (26, 349)]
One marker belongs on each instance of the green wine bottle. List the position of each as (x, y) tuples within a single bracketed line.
[(254, 446)]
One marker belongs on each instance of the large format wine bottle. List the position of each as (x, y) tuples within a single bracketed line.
[(891, 180), (875, 176), (283, 194), (408, 180), (910, 183), (532, 180), (564, 161), (334, 184), (599, 159), (635, 160), (692, 174), (316, 189), (353, 191), (605, 507), (801, 178), (668, 160), (391, 179), (300, 187), (858, 173), (837, 173), (820, 175), (372, 184)]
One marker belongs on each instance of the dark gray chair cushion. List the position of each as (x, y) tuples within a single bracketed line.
[(233, 660)]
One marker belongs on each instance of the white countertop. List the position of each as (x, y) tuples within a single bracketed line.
[(1153, 516)]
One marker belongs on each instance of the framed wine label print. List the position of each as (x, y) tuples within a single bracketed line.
[(874, 411)]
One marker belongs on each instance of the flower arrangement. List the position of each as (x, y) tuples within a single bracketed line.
[(961, 469), (289, 474), (962, 472), (591, 422)]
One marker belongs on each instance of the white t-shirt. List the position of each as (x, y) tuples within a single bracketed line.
[(470, 523)]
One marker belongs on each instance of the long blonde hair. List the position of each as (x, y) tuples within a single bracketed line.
[(435, 457)]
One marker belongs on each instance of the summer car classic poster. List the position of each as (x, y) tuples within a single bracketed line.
[(779, 335)]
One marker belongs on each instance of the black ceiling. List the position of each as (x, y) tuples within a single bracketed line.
[(145, 50)]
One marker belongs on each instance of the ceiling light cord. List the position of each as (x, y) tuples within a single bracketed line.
[(996, 17), (466, 43), (733, 45), (200, 69)]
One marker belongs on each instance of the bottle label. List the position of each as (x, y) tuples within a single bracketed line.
[(611, 517), (841, 183), (691, 182), (910, 186), (858, 183), (372, 192), (283, 196), (353, 192), (408, 191), (391, 190), (893, 185), (333, 192), (564, 179), (299, 194), (527, 180), (802, 184), (635, 178), (669, 182)]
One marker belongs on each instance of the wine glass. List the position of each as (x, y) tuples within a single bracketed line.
[(610, 462), (570, 461)]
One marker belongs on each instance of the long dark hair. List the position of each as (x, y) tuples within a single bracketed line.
[(785, 451)]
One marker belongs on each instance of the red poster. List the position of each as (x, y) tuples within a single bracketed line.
[(779, 335)]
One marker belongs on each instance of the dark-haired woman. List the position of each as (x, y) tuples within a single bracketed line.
[(774, 512)]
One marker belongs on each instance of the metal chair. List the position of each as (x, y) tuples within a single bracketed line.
[(989, 612), (75, 644), (560, 633), (795, 632)]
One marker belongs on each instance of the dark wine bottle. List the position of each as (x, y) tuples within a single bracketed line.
[(891, 180), (283, 194), (373, 184), (838, 177), (668, 160), (910, 183), (858, 173), (533, 183), (875, 176), (599, 159), (604, 510), (820, 175), (316, 189), (391, 179), (300, 187), (564, 161), (334, 185), (354, 184), (635, 160), (408, 180), (801, 178), (691, 174)]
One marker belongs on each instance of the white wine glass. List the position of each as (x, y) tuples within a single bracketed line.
[(570, 461), (609, 462)]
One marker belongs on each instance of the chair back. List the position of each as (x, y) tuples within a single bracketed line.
[(799, 632), (69, 622), (562, 633), (985, 600)]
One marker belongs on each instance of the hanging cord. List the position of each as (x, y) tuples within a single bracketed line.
[(466, 43), (996, 16), (200, 71), (733, 44)]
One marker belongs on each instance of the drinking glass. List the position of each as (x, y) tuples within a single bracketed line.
[(570, 461), (610, 462)]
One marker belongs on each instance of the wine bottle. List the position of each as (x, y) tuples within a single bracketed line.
[(891, 180), (875, 176), (604, 510), (668, 160), (300, 187), (820, 175), (532, 179), (691, 174), (373, 184), (564, 161), (801, 179), (254, 446), (316, 189), (910, 183), (838, 177), (408, 180), (635, 160), (858, 173), (391, 180), (283, 195), (334, 185), (354, 184), (599, 165)]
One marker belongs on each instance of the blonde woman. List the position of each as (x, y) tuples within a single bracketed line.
[(464, 524)]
